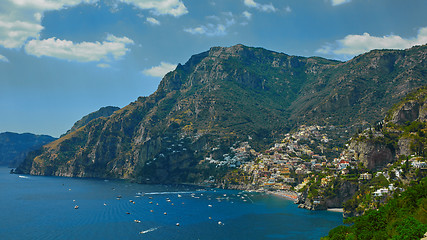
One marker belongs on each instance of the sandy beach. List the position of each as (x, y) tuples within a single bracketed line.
[(335, 209), (285, 194)]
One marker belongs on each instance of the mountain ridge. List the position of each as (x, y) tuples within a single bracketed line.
[(228, 95)]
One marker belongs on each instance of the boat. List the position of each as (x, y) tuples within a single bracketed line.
[(137, 221), (76, 207)]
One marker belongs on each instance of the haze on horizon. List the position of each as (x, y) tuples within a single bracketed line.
[(62, 59)]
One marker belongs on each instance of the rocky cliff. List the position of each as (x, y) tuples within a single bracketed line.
[(401, 134), (223, 96)]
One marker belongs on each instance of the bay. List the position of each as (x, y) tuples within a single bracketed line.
[(40, 207)]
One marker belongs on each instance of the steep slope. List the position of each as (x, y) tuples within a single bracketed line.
[(14, 146), (102, 112), (401, 134), (216, 99), (362, 89)]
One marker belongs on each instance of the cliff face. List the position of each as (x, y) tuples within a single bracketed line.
[(371, 154), (400, 134), (223, 96)]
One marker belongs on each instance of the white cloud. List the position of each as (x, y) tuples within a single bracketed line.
[(339, 2), (352, 45), (112, 47), (161, 70), (175, 8), (49, 4), (214, 29), (262, 7), (38, 16), (209, 30), (103, 65), (20, 19), (153, 21), (247, 15), (3, 58), (250, 3), (13, 34), (288, 9)]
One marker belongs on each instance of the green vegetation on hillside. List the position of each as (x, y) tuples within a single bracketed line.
[(403, 217)]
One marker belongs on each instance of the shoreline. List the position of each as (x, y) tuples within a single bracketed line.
[(289, 195), (341, 210)]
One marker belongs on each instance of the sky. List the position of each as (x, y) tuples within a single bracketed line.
[(63, 59)]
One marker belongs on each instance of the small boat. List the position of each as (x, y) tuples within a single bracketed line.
[(137, 221), (177, 224), (165, 213), (76, 207), (127, 212)]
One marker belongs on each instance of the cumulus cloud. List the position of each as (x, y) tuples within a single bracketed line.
[(352, 45), (161, 70), (339, 2), (175, 8), (247, 15), (13, 34), (113, 47), (49, 4), (208, 30), (3, 58), (214, 29), (153, 21), (262, 7), (20, 19)]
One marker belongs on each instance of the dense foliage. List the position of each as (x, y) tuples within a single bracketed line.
[(403, 217)]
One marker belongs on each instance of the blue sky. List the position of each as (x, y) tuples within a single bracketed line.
[(62, 59)]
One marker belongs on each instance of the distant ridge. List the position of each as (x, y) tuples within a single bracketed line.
[(14, 146)]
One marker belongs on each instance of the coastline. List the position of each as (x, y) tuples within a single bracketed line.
[(341, 210), (289, 195)]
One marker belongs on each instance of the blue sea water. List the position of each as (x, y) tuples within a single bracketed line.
[(38, 207)]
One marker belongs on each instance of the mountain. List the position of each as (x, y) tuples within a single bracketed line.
[(224, 96), (14, 146), (102, 112)]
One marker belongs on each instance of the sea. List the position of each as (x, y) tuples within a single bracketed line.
[(41, 207)]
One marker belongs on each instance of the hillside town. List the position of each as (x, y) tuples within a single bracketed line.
[(305, 160)]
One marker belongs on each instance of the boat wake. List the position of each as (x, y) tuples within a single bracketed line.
[(25, 177), (148, 230), (164, 193)]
